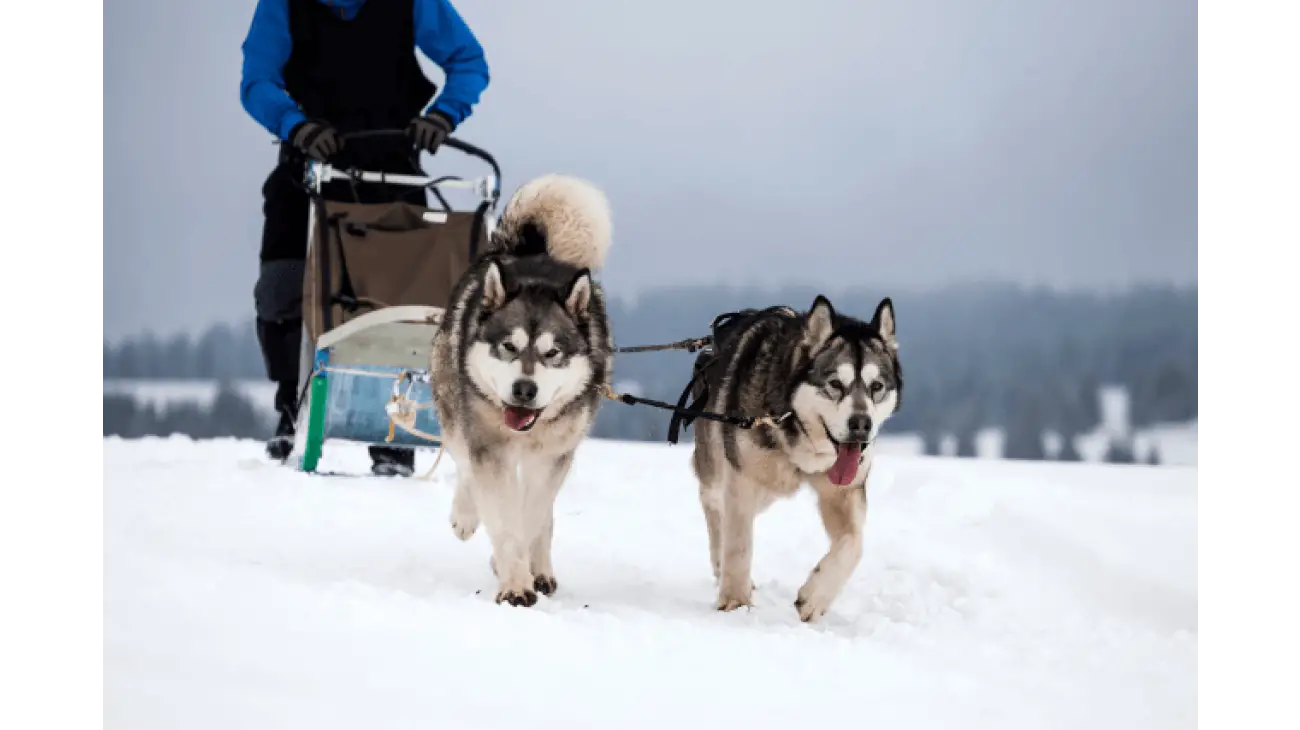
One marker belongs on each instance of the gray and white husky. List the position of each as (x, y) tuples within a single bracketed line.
[(519, 364), (838, 379)]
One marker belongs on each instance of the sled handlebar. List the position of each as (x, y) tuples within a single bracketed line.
[(452, 142)]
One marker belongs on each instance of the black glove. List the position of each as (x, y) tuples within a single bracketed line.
[(429, 132), (318, 140)]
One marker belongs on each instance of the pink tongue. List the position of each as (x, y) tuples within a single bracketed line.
[(518, 418), (846, 464)]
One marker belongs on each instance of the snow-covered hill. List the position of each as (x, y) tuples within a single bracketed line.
[(992, 594)]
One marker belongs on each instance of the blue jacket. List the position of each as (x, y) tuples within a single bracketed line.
[(440, 34)]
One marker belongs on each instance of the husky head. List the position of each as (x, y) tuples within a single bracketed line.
[(852, 382), (530, 356)]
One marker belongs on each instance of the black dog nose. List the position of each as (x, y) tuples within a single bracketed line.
[(859, 426), (524, 391)]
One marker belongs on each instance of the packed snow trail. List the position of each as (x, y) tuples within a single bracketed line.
[(991, 594)]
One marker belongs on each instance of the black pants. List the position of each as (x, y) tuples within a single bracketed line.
[(278, 293)]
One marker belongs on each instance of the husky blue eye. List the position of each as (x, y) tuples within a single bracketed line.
[(876, 387), (551, 354)]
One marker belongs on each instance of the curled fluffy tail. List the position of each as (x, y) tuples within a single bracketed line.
[(566, 217)]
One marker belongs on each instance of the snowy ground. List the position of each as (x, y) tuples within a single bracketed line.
[(992, 594)]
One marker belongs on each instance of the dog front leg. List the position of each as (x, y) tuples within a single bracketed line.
[(544, 476), (464, 514), (738, 512), (499, 497), (844, 512)]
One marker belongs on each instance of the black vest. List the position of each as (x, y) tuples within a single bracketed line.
[(357, 74)]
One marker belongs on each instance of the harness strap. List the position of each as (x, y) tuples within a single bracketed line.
[(680, 418), (745, 422), (719, 328)]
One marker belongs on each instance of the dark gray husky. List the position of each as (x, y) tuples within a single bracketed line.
[(519, 365), (829, 381)]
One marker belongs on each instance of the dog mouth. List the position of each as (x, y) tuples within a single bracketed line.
[(847, 457), (521, 419)]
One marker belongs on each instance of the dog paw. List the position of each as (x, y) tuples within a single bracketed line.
[(463, 531), (545, 584), (524, 598), (464, 526), (811, 606), (464, 517), (729, 602)]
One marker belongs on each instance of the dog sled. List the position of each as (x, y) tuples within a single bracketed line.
[(378, 278)]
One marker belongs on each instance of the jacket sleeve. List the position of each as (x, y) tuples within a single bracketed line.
[(442, 35), (266, 50)]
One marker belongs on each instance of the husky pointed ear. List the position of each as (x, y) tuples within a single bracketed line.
[(578, 299), (821, 321), (494, 288), (884, 322)]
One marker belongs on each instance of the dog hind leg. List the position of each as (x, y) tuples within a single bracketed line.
[(705, 465), (713, 500), (843, 513)]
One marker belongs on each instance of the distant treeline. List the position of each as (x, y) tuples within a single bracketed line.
[(1024, 361), (229, 415)]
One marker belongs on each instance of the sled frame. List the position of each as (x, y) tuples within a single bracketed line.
[(370, 353)]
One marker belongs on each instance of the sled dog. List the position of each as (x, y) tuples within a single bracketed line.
[(519, 365), (836, 379)]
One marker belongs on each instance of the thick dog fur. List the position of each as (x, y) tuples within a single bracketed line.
[(519, 363), (841, 379)]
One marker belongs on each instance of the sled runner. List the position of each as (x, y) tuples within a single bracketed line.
[(378, 276)]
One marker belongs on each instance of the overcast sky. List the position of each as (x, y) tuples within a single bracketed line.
[(897, 143)]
